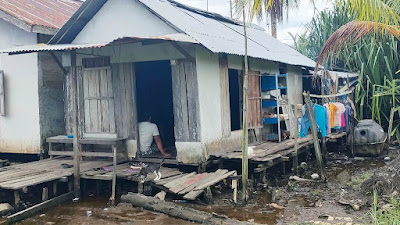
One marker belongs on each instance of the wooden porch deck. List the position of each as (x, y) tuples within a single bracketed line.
[(187, 185), (268, 154), (18, 177)]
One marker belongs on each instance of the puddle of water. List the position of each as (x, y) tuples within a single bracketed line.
[(76, 213)]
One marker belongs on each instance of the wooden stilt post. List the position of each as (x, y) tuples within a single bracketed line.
[(17, 198), (351, 136), (74, 93), (54, 189), (45, 194), (324, 149), (98, 187), (313, 127), (114, 178), (70, 184), (245, 136), (140, 187)]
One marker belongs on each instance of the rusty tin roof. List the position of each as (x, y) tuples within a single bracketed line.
[(51, 14)]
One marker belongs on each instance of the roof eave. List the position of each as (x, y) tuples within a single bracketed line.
[(27, 27)]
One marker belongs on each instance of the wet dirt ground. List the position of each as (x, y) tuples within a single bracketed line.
[(310, 203), (302, 202), (96, 211)]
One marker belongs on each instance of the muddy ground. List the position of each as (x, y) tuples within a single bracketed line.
[(341, 200)]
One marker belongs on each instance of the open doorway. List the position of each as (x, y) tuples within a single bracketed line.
[(154, 98), (235, 99)]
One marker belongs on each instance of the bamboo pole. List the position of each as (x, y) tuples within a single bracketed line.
[(74, 93), (390, 125), (313, 127), (296, 131), (245, 136)]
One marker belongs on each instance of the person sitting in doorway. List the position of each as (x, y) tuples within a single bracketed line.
[(149, 138)]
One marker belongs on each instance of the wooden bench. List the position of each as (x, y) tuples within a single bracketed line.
[(62, 139)]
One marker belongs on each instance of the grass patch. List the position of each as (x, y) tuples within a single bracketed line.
[(388, 216), (358, 180)]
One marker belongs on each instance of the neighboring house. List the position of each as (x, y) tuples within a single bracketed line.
[(31, 86), (181, 64)]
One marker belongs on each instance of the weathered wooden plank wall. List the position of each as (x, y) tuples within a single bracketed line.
[(254, 104), (68, 103), (225, 100), (97, 101), (185, 100), (121, 106), (124, 100)]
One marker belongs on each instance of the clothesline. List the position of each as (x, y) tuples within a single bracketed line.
[(329, 96)]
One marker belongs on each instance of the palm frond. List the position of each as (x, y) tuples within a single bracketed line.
[(351, 33), (378, 11)]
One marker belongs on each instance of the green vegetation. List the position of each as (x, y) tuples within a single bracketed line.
[(375, 57), (356, 181), (358, 36), (389, 215)]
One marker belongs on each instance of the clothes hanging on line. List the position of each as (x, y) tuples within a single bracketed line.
[(319, 112), (334, 115)]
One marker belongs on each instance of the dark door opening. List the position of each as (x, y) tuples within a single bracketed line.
[(154, 97), (234, 97)]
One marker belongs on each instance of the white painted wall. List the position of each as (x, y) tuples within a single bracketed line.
[(295, 91), (209, 94), (122, 18), (19, 128)]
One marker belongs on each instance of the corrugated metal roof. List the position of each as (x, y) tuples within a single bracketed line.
[(63, 47), (216, 33), (226, 37), (47, 13)]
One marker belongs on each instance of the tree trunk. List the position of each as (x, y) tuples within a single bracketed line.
[(273, 24), (175, 210)]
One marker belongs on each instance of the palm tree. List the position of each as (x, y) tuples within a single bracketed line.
[(275, 10)]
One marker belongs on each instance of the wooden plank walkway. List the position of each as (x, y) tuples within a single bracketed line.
[(267, 151), (188, 185), (24, 175)]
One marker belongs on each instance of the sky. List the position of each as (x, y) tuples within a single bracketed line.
[(295, 24)]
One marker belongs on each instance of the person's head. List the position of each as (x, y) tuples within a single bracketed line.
[(146, 117)]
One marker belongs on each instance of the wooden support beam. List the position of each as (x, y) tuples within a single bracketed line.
[(114, 176), (235, 188), (351, 136), (45, 194), (39, 207), (70, 185), (324, 149), (59, 64), (313, 127), (17, 198), (83, 154), (50, 150), (140, 187), (55, 188), (76, 145), (183, 51)]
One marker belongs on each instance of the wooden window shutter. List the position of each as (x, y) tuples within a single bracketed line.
[(2, 104), (254, 104)]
